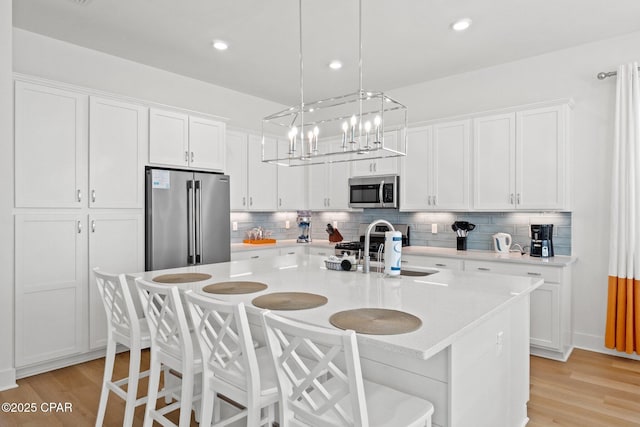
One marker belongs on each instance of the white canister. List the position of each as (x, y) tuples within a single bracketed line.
[(392, 252)]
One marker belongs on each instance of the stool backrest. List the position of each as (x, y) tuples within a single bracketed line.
[(166, 318), (222, 330), (118, 304), (319, 373)]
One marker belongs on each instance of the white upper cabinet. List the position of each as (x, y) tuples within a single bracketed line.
[(117, 139), (291, 182), (206, 144), (177, 139), (168, 137), (541, 149), (262, 181), (520, 160), (50, 147), (494, 154), (435, 172), (386, 166), (236, 154), (328, 186)]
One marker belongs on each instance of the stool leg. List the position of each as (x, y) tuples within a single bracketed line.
[(108, 373), (186, 397), (207, 403), (132, 387), (152, 394)]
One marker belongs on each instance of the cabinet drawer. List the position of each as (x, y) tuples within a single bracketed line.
[(549, 274), (433, 262)]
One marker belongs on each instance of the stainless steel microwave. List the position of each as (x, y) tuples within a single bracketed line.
[(373, 192)]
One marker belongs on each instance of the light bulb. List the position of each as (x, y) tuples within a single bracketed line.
[(377, 121), (316, 131), (367, 126), (354, 120), (345, 126), (310, 136)]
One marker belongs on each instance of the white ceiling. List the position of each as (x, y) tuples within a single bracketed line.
[(404, 41)]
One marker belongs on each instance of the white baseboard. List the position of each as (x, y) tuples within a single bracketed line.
[(596, 343), (8, 379)]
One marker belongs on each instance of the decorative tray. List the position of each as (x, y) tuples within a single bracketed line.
[(259, 242)]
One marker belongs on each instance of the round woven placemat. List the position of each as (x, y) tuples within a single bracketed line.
[(289, 301), (181, 278), (232, 288), (376, 321)]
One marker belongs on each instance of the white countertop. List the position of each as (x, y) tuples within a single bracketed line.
[(476, 255), (449, 303)]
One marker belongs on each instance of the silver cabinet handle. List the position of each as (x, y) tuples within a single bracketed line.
[(291, 253), (435, 203), (93, 196), (484, 269), (511, 199), (518, 199), (250, 201), (325, 201), (192, 157), (79, 227), (244, 201), (440, 265), (93, 225), (255, 256), (79, 195), (279, 201), (328, 201), (375, 167), (429, 200), (531, 273), (322, 253), (186, 156)]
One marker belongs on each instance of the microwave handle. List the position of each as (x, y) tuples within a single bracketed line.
[(381, 191)]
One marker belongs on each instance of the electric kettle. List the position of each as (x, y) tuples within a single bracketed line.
[(502, 243)]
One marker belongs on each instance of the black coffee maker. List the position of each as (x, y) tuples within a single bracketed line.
[(541, 240)]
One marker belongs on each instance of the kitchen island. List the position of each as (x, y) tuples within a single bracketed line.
[(470, 357)]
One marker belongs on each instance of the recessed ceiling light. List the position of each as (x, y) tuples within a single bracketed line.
[(220, 45), (335, 65), (461, 24)]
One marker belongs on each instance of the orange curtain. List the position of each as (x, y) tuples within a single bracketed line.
[(623, 307), (623, 315)]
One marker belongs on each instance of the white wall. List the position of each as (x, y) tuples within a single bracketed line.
[(569, 73), (53, 59), (7, 373)]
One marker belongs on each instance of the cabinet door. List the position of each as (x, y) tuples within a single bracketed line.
[(168, 138), (50, 275), (541, 157), (545, 316), (317, 187), (494, 162), (206, 144), (262, 177), (50, 147), (450, 186), (363, 168), (388, 166), (116, 245), (291, 183), (236, 154), (117, 137), (338, 188), (415, 179)]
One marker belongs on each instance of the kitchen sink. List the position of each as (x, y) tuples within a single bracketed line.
[(417, 273)]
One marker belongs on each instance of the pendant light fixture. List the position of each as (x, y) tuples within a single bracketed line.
[(363, 125)]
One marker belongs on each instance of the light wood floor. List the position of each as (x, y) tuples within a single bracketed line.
[(591, 389)]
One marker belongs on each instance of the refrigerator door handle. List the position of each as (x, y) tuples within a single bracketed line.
[(198, 221), (190, 223)]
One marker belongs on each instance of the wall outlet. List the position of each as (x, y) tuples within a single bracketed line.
[(335, 224), (434, 228), (234, 225), (287, 224)]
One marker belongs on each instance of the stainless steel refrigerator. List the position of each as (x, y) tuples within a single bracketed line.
[(186, 218)]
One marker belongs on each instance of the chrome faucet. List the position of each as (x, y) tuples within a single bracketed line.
[(367, 241)]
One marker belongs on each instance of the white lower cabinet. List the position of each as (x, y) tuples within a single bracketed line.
[(58, 309), (550, 305), (50, 277), (115, 246), (254, 254)]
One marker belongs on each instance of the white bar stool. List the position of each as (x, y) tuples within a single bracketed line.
[(123, 327), (171, 347), (231, 364), (331, 391)]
